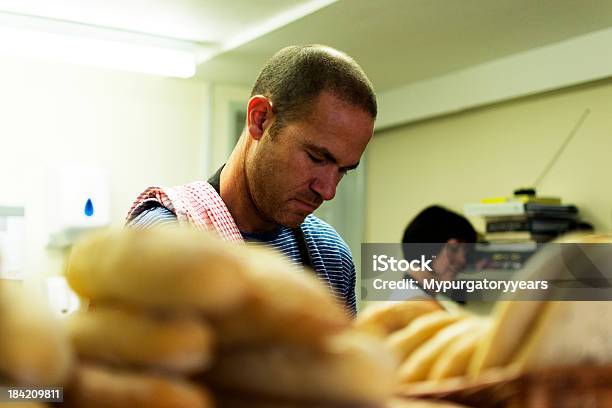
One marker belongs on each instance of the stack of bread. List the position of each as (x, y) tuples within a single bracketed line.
[(442, 351), (177, 318), (532, 334), (34, 351), (431, 343)]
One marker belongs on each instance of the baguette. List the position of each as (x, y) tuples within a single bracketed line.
[(512, 321), (568, 333), (418, 365), (421, 403), (385, 318), (454, 361), (421, 329)]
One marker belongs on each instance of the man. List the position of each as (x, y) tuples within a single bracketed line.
[(309, 119)]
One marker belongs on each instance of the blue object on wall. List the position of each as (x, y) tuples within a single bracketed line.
[(89, 208)]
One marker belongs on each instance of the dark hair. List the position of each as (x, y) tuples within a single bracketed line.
[(436, 225), (297, 75)]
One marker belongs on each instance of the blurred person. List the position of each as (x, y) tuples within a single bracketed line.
[(309, 118), (443, 235)]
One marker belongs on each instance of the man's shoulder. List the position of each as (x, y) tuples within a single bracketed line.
[(321, 231), (312, 223), (153, 215)]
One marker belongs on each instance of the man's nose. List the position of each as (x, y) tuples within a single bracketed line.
[(325, 185)]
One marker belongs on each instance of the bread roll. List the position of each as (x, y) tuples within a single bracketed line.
[(285, 304), (130, 336), (249, 401), (403, 342), (33, 349), (569, 333), (241, 400), (419, 363), (352, 368), (512, 321), (421, 403), (98, 387), (454, 360), (384, 318), (163, 268)]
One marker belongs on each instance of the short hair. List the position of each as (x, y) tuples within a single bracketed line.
[(436, 225), (297, 75)]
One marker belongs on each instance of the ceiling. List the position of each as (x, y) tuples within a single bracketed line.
[(199, 21), (396, 41)]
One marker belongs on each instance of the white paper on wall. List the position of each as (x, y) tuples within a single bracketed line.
[(78, 201)]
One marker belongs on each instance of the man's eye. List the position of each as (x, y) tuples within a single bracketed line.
[(315, 159)]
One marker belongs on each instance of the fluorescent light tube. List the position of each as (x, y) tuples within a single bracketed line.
[(113, 54)]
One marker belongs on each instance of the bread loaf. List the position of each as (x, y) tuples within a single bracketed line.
[(168, 268), (284, 304), (135, 337), (384, 318), (98, 387), (33, 348), (352, 368)]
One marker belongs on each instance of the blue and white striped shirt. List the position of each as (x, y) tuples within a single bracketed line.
[(331, 257)]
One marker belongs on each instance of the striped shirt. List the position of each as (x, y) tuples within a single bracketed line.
[(331, 257)]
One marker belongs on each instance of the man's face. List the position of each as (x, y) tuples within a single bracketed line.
[(291, 174)]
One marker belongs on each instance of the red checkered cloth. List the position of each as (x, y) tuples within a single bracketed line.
[(196, 204)]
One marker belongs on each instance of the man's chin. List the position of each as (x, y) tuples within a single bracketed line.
[(292, 220)]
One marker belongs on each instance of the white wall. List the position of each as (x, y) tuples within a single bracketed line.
[(578, 60), (489, 152), (146, 130), (225, 101)]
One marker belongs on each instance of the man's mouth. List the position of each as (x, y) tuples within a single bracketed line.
[(306, 206)]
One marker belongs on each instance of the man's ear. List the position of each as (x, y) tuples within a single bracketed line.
[(259, 115)]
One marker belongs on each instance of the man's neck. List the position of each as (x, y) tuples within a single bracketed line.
[(237, 197)]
